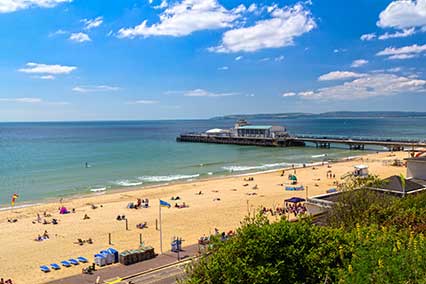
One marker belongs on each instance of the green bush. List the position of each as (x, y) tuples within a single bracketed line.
[(285, 252)]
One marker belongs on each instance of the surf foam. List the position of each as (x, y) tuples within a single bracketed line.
[(166, 178), (98, 189), (128, 183), (261, 167)]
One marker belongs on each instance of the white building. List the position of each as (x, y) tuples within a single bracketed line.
[(416, 168), (361, 171)]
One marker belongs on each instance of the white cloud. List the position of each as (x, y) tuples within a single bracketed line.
[(279, 58), (92, 23), (223, 68), (402, 14), (252, 8), (95, 89), (204, 93), (403, 33), (37, 68), (238, 58), (162, 5), (289, 94), (368, 36), (395, 69), (371, 85), (359, 63), (7, 6), (404, 52), (58, 32), (21, 100), (239, 9), (32, 101), (79, 37), (337, 50), (145, 102), (184, 18), (339, 75), (47, 77), (280, 30), (402, 56)]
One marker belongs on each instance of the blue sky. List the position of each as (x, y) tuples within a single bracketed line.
[(122, 59)]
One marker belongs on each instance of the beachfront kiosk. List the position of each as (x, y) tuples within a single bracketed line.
[(361, 171)]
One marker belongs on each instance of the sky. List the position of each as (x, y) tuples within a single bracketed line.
[(178, 59)]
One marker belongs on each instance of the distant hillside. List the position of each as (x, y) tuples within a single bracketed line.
[(324, 115)]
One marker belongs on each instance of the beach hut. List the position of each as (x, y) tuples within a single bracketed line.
[(100, 260), (361, 171), (114, 253), (108, 256)]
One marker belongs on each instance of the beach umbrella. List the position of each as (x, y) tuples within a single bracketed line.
[(293, 177)]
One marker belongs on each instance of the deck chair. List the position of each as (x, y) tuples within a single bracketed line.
[(65, 263), (55, 266), (73, 261), (82, 259), (44, 268)]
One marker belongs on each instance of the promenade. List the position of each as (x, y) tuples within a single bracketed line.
[(159, 269)]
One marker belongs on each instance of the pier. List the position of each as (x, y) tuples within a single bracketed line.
[(244, 133), (290, 141), (237, 140), (360, 144)]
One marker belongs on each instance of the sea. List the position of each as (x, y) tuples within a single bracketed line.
[(51, 160)]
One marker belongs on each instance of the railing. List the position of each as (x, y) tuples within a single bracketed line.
[(359, 139)]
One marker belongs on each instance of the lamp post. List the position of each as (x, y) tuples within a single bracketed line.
[(307, 195)]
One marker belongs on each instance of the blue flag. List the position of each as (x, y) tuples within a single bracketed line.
[(164, 204)]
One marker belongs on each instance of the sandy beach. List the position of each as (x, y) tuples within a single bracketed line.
[(223, 204)]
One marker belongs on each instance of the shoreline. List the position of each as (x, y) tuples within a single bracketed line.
[(124, 189)]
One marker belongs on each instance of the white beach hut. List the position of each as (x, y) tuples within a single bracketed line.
[(361, 171)]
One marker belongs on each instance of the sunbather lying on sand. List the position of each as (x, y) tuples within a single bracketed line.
[(142, 225), (183, 205)]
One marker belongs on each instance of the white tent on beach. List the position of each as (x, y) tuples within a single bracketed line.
[(361, 171)]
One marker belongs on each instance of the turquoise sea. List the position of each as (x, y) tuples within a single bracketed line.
[(48, 160)]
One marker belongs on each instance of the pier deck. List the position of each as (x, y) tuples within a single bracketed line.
[(319, 142)]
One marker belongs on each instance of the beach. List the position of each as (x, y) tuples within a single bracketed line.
[(224, 202)]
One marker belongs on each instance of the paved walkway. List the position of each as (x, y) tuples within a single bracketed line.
[(120, 271)]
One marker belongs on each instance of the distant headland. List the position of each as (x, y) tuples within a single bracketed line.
[(340, 114)]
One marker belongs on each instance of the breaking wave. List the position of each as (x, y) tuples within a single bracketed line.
[(128, 183), (249, 168), (166, 178)]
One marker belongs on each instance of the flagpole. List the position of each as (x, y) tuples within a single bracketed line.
[(161, 232)]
